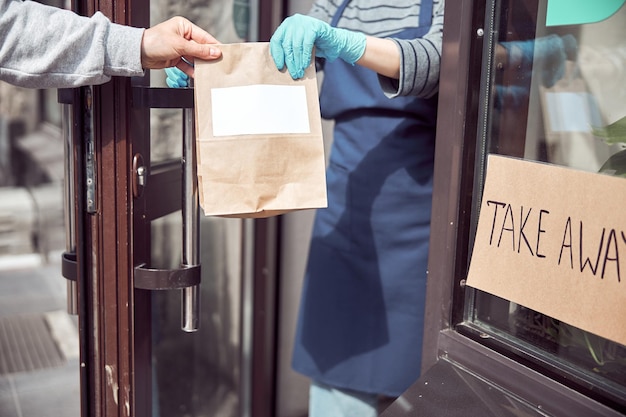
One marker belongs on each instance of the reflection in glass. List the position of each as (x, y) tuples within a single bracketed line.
[(558, 95), (196, 374)]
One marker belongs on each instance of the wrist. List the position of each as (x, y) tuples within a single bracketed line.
[(354, 46)]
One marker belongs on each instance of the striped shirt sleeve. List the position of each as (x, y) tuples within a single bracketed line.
[(419, 58), (420, 61)]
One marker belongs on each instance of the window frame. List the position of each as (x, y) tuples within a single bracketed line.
[(447, 337)]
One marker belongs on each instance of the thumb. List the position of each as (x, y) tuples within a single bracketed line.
[(200, 50)]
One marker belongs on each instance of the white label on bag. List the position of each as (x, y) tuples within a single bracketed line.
[(259, 109)]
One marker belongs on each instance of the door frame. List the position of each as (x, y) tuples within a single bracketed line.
[(112, 235)]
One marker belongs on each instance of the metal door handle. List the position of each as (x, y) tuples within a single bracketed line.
[(191, 223), (187, 278), (68, 259)]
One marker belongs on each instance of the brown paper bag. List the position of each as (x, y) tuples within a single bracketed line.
[(258, 135)]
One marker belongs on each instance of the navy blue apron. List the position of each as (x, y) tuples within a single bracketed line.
[(361, 317)]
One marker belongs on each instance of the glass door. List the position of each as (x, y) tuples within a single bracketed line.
[(556, 81), (196, 371), (168, 300), (537, 80)]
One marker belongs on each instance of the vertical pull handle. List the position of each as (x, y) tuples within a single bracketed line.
[(191, 224), (69, 257), (188, 276)]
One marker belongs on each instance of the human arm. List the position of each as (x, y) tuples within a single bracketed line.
[(405, 66), (382, 56), (48, 47), (419, 62)]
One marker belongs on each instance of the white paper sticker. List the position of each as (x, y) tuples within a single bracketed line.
[(572, 112), (259, 109)]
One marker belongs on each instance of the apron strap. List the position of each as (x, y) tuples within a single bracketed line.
[(426, 13), (339, 12)]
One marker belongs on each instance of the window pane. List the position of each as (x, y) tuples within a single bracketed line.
[(196, 374), (556, 92)]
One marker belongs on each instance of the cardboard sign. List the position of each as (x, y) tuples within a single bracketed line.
[(553, 239)]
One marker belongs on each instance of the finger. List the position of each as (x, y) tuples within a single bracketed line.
[(289, 60), (174, 83), (176, 78), (187, 69), (307, 49), (305, 39), (178, 81), (205, 51), (175, 73), (199, 35), (276, 48), (288, 44), (297, 40)]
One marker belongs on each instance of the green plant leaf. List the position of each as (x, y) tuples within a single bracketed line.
[(613, 133)]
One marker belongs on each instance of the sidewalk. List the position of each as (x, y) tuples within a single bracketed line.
[(39, 365)]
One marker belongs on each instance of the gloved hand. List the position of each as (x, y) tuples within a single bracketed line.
[(292, 43), (176, 78), (548, 55)]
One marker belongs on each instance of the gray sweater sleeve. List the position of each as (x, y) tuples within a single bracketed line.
[(420, 61), (48, 47)]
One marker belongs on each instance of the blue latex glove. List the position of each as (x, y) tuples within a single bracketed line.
[(548, 54), (292, 44), (176, 78)]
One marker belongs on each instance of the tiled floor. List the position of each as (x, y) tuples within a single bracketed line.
[(30, 287)]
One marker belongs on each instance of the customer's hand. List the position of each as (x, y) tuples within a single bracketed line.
[(163, 45), (292, 43), (176, 78)]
